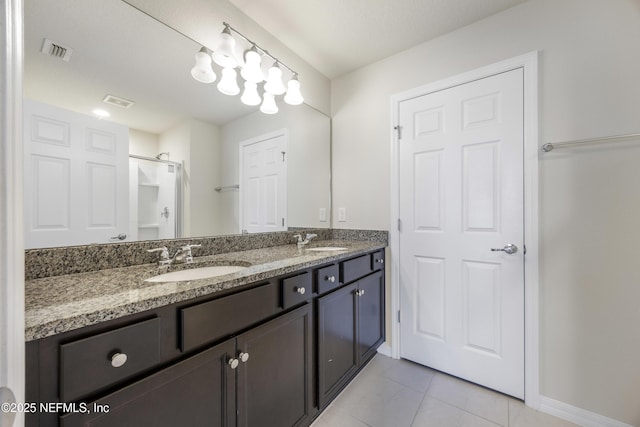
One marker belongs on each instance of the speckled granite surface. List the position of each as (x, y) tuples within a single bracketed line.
[(49, 262), (62, 303)]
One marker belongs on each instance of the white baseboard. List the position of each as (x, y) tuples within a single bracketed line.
[(385, 349), (577, 415)]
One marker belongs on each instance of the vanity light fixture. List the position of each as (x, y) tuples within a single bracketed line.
[(274, 80), (229, 82), (269, 104), (251, 70), (293, 96), (202, 71)]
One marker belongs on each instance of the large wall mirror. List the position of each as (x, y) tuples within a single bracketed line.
[(188, 147)]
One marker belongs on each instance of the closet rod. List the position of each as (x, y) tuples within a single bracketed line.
[(227, 187), (154, 159), (551, 145)]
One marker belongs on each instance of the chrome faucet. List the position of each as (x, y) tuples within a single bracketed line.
[(306, 240), (182, 255)]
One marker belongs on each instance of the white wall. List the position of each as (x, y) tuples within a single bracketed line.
[(205, 171), (308, 167), (143, 143), (589, 198), (196, 145)]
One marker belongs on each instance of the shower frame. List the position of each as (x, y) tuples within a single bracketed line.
[(178, 194)]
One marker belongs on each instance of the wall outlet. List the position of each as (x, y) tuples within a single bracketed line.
[(322, 215), (342, 214)]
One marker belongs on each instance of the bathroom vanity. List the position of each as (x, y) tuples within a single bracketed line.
[(270, 345)]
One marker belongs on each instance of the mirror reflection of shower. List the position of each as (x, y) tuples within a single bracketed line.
[(155, 200)]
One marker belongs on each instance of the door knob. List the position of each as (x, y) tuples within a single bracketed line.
[(509, 249)]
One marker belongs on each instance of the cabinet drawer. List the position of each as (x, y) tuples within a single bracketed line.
[(355, 268), (328, 278), (213, 320), (296, 289), (378, 260), (89, 364)]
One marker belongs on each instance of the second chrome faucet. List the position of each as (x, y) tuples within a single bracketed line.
[(301, 243), (182, 255)]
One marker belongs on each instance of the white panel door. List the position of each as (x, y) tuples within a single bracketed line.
[(263, 183), (461, 195), (76, 179)]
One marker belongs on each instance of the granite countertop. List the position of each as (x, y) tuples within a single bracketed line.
[(62, 303)]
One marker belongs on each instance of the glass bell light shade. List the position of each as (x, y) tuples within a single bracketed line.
[(225, 55), (293, 96), (228, 83), (250, 95), (274, 84), (252, 72), (269, 104), (202, 71)]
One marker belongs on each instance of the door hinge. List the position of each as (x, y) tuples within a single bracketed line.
[(283, 222), (399, 224), (283, 153), (399, 130), (398, 316)]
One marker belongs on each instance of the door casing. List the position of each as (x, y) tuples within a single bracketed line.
[(529, 63), (12, 347)]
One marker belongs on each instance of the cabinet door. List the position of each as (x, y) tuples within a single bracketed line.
[(199, 391), (370, 296), (274, 382), (336, 341)]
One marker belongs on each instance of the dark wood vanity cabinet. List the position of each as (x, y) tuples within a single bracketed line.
[(274, 384), (350, 325), (198, 391), (269, 354), (261, 377)]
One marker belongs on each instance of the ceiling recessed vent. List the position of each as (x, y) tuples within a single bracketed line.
[(117, 101), (56, 50)]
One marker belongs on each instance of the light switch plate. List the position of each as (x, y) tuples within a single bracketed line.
[(342, 214), (322, 215)]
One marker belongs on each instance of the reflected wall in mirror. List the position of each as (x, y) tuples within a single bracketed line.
[(107, 47)]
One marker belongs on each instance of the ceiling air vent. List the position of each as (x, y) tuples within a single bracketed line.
[(56, 50), (117, 101)]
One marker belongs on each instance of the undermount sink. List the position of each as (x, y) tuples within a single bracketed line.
[(196, 273), (327, 249)]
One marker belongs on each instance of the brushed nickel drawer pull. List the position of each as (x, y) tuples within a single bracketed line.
[(118, 359)]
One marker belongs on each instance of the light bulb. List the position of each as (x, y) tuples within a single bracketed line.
[(251, 71), (228, 83), (293, 96), (224, 55), (202, 71), (268, 104), (274, 81), (250, 95)]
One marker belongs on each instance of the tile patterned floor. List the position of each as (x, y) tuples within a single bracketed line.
[(399, 393)]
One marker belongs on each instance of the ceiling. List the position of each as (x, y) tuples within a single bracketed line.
[(339, 36)]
